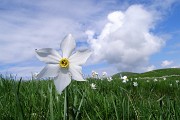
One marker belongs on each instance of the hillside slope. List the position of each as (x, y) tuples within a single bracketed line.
[(153, 73)]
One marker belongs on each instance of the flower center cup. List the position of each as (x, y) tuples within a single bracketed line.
[(64, 63)]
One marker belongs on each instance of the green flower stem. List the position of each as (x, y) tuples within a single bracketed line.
[(66, 104)]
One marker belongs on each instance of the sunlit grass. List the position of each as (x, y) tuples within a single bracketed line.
[(38, 99)]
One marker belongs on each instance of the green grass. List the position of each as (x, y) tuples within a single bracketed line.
[(38, 100)]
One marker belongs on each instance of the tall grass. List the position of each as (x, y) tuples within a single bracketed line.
[(38, 99)]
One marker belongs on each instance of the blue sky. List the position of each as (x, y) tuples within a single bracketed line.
[(123, 35)]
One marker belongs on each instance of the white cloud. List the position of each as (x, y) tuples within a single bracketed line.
[(127, 40), (163, 5), (21, 41), (27, 25), (166, 63)]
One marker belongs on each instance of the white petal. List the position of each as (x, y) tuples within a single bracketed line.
[(76, 72), (80, 57), (50, 70), (67, 46), (48, 55), (62, 80)]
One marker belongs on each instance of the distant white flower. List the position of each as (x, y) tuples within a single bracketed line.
[(60, 66), (109, 79), (93, 86), (125, 79), (135, 84), (135, 78), (104, 74), (147, 80), (164, 78), (177, 81), (95, 75), (155, 80), (170, 85)]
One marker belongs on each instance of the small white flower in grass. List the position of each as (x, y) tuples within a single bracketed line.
[(177, 81), (109, 79), (125, 79), (93, 86), (135, 84), (104, 74), (147, 80), (95, 75), (170, 85), (164, 78), (65, 66), (155, 80)]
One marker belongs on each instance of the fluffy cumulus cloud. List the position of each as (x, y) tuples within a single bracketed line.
[(166, 63), (126, 40)]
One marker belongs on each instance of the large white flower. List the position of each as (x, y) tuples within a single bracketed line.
[(61, 67)]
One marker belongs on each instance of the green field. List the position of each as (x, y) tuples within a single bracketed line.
[(111, 100)]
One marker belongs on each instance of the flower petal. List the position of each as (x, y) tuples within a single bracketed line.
[(62, 80), (80, 57), (67, 46), (48, 55), (76, 72), (50, 70)]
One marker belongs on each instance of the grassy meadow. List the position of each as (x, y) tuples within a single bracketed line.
[(156, 97)]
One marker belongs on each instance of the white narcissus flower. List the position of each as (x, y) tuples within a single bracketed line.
[(61, 67), (135, 84), (104, 74), (125, 79), (95, 75), (109, 79), (93, 86)]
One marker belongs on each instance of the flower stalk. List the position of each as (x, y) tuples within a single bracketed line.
[(66, 104)]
